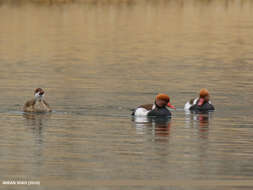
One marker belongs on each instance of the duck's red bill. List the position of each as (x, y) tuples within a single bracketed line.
[(171, 106), (201, 101)]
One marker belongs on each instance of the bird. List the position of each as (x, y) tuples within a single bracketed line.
[(159, 108), (38, 103), (201, 103)]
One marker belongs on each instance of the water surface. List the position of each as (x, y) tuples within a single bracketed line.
[(97, 61)]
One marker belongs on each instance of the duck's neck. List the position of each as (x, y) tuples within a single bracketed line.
[(38, 99), (157, 106)]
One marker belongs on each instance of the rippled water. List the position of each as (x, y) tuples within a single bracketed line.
[(97, 60)]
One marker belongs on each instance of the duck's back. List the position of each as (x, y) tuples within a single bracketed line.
[(142, 110), (36, 106)]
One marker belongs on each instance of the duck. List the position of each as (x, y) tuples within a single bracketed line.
[(158, 108), (38, 103), (200, 104)]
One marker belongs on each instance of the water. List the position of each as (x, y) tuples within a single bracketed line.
[(96, 61)]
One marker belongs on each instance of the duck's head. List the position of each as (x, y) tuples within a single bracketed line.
[(204, 96), (163, 100), (39, 93)]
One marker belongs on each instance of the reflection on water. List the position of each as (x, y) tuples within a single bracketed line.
[(159, 127), (199, 121), (36, 119), (99, 59), (195, 120)]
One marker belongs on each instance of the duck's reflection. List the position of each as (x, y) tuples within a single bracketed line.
[(203, 120), (158, 126), (35, 124), (200, 121), (35, 120), (162, 127)]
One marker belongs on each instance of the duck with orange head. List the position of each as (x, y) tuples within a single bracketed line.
[(200, 104), (159, 108)]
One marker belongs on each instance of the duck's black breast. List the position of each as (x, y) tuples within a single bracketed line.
[(206, 107), (158, 112)]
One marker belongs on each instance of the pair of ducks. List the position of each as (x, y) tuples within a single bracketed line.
[(159, 108), (201, 104)]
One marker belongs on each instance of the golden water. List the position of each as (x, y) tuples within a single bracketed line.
[(96, 61)]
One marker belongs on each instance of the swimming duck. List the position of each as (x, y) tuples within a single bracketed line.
[(38, 103), (200, 104), (159, 108)]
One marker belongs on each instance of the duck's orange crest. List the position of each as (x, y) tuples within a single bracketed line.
[(203, 93), (164, 97)]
